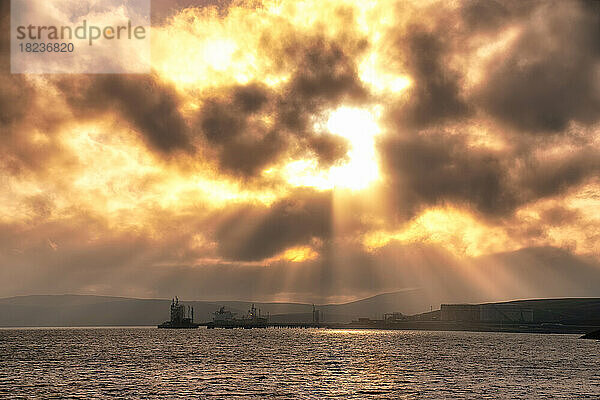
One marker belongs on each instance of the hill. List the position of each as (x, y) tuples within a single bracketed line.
[(83, 310)]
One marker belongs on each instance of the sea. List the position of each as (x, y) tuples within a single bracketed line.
[(272, 363)]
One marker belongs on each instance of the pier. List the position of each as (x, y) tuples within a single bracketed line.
[(417, 325), (249, 325)]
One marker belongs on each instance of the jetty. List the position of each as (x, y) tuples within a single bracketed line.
[(255, 319)]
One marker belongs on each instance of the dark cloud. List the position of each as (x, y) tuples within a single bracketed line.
[(252, 126), (325, 72), (545, 80), (16, 100), (256, 233), (325, 75), (437, 168), (149, 105), (232, 124), (489, 16), (329, 149), (549, 77), (559, 216), (544, 177), (252, 152), (4, 36), (250, 98), (162, 10), (86, 253), (33, 256), (235, 126), (432, 169), (484, 15), (435, 96), (16, 92)]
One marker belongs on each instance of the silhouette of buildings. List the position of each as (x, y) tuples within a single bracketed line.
[(181, 316), (316, 315), (486, 313)]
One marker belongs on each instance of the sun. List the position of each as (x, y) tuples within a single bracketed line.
[(359, 127)]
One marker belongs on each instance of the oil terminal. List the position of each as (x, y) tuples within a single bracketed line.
[(182, 317)]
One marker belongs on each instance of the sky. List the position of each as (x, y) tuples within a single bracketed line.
[(317, 151)]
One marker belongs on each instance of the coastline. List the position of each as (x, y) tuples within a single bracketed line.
[(398, 326)]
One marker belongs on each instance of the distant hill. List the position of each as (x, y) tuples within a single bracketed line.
[(82, 310)]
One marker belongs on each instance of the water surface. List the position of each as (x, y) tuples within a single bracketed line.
[(148, 363)]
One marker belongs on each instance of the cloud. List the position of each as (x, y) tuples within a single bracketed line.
[(100, 261), (256, 233), (28, 128), (329, 149), (4, 37), (557, 216), (431, 169), (326, 71), (541, 82), (499, 123), (544, 81), (484, 15), (149, 105), (435, 95), (232, 123), (549, 76), (162, 10), (253, 126), (437, 168), (541, 177), (16, 99)]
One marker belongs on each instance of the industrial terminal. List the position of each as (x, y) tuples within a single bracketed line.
[(490, 317), (486, 313)]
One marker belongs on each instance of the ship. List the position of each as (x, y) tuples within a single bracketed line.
[(226, 319), (182, 317)]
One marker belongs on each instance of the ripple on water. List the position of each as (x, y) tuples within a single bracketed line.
[(148, 363)]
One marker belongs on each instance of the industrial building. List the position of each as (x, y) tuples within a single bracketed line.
[(182, 317), (496, 313)]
